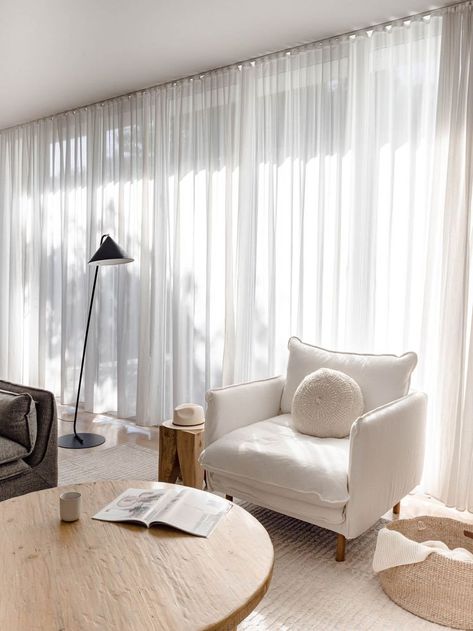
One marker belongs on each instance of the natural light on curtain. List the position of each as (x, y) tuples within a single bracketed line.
[(291, 195)]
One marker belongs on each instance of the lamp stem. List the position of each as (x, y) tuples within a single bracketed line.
[(83, 353)]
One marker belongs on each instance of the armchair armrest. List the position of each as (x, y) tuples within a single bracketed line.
[(236, 406), (43, 458), (386, 459)]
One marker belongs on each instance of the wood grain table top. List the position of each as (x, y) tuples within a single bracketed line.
[(101, 576)]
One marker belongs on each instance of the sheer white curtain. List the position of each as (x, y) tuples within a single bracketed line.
[(317, 192), (450, 465), (290, 195)]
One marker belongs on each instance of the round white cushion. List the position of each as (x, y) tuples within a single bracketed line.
[(326, 404)]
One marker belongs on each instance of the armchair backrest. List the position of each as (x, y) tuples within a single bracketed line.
[(382, 378)]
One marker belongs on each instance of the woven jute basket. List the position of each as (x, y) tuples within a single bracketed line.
[(437, 589)]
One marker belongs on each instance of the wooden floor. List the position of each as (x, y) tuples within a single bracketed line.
[(119, 431), (115, 430)]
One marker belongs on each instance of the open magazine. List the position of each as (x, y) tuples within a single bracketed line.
[(192, 511)]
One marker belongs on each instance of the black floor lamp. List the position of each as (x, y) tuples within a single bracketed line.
[(109, 253)]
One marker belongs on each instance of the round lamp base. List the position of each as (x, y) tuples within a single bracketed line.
[(69, 441)]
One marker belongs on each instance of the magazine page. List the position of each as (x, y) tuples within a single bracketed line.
[(134, 505), (190, 510)]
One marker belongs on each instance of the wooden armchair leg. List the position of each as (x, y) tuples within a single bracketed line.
[(341, 543), (397, 508)]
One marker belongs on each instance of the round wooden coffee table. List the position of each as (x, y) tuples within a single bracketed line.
[(97, 575)]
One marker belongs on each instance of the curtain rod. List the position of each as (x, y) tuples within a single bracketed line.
[(203, 73)]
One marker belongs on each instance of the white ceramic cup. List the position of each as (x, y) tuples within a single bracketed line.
[(69, 506)]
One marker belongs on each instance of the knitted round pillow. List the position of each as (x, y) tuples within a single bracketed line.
[(326, 404)]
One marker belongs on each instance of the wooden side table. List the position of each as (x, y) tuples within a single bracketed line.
[(179, 450)]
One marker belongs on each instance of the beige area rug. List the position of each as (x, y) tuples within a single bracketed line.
[(309, 590), (123, 462)]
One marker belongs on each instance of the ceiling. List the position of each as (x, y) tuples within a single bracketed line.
[(60, 54)]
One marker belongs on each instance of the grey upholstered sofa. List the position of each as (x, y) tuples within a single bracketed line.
[(38, 469)]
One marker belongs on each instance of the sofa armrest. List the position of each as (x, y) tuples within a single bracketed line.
[(386, 459), (236, 406)]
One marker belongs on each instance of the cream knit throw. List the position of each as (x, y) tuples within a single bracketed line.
[(393, 548)]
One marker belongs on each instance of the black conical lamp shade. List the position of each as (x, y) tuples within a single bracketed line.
[(110, 253)]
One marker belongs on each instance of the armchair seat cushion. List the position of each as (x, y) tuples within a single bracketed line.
[(271, 452), (11, 450), (13, 469)]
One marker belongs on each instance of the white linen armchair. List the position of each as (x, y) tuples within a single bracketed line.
[(343, 484)]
